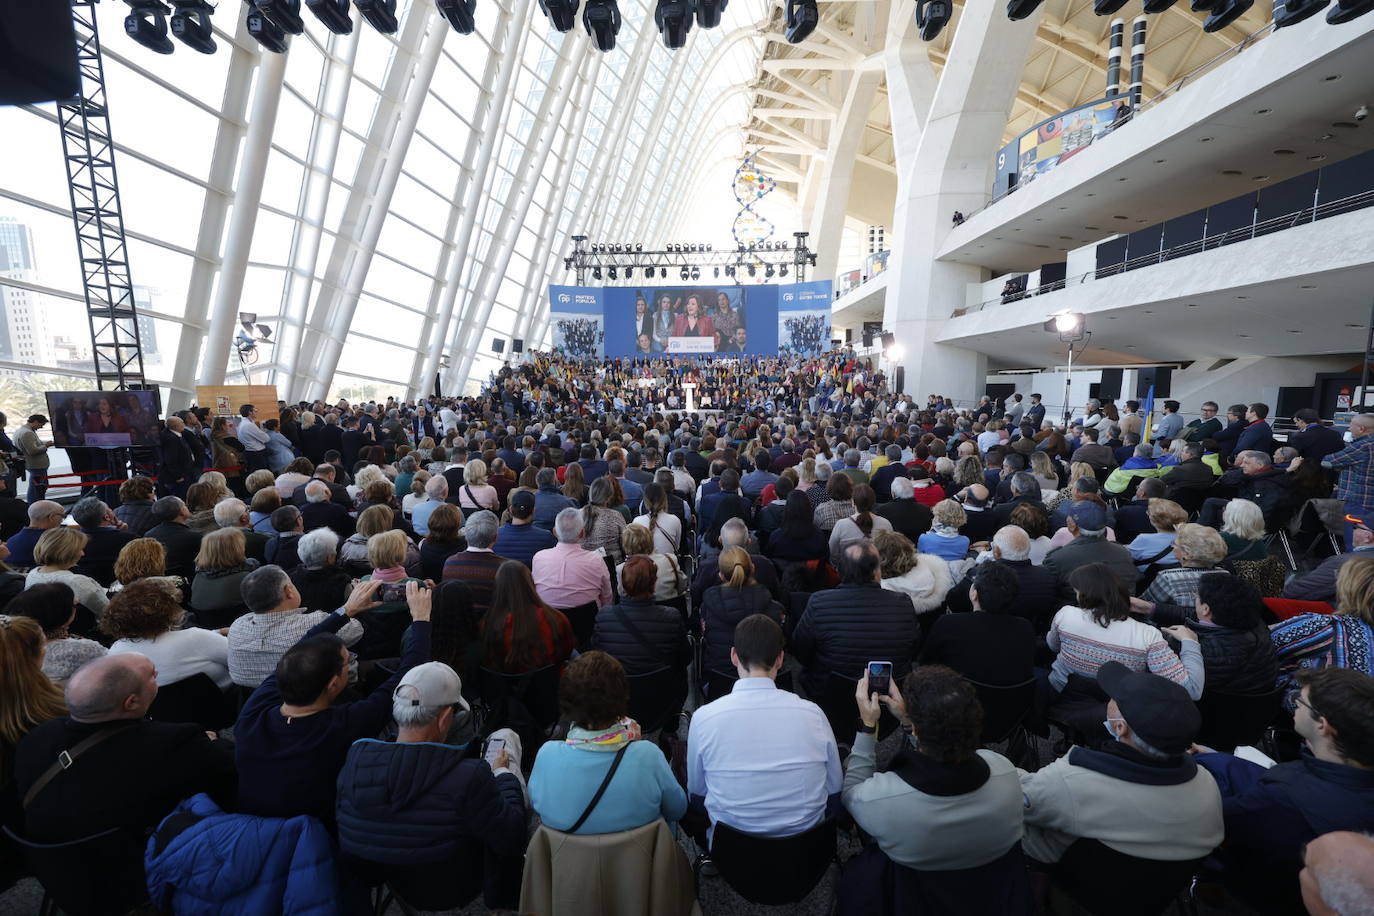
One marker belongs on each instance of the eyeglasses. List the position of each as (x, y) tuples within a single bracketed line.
[(1310, 708)]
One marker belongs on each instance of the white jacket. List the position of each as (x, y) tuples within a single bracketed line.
[(926, 583)]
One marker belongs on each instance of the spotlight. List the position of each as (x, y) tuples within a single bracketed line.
[(1068, 325), (611, 271), (717, 272), (1020, 9), (783, 270), (1205, 6), (147, 25), (802, 17), (696, 273), (286, 14), (1107, 7), (191, 25), (596, 273), (674, 21), (1157, 6), (663, 272), (1346, 10), (601, 19), (684, 273), (380, 14), (708, 12), (562, 13), (266, 32), (1294, 11), (895, 352), (461, 15), (629, 273), (768, 271), (1226, 13), (333, 14), (264, 331), (247, 320), (753, 271)]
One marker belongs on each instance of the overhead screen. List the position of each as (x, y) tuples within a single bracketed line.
[(702, 319)]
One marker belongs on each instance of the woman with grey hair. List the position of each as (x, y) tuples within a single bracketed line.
[(319, 579)]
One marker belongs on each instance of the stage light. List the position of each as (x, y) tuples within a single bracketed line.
[(708, 12), (264, 331), (1226, 13), (333, 14), (191, 25), (783, 270), (266, 32), (247, 320), (1020, 9), (147, 25), (601, 19), (1107, 7), (896, 352), (663, 273), (562, 13), (380, 14), (611, 271), (462, 15), (768, 271), (696, 273), (286, 14), (684, 273), (1294, 11), (596, 273), (629, 273), (802, 18), (1154, 7), (1068, 325), (638, 247), (1205, 6), (1346, 10), (753, 271)]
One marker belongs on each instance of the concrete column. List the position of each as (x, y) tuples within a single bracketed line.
[(945, 162), (837, 171)]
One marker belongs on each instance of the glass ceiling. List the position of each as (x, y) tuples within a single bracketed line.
[(620, 155)]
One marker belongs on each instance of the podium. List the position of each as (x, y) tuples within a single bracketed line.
[(687, 390)]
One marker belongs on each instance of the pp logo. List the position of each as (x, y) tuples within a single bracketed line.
[(788, 297), (564, 297)]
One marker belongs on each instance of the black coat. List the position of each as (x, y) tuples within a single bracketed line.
[(997, 649), (1227, 438), (1133, 519), (103, 548), (1316, 442), (722, 609), (1271, 490), (661, 641), (981, 525), (321, 589), (1036, 601), (844, 628), (338, 493), (14, 516), (708, 575), (327, 515), (907, 516), (182, 545), (176, 463), (1192, 474), (1237, 662), (883, 477), (281, 551)]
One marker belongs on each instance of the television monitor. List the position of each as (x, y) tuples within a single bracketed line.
[(104, 419)]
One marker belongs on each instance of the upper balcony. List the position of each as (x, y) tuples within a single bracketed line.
[(1267, 113)]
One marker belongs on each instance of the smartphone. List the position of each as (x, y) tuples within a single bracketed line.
[(392, 591), (494, 747), (879, 677)]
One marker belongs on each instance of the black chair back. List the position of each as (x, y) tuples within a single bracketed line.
[(195, 699), (583, 620), (1231, 721), (719, 683), (1004, 708), (526, 703), (1094, 874), (94, 876), (874, 885), (1190, 499), (656, 697), (775, 871)]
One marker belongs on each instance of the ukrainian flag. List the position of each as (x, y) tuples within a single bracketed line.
[(1149, 415)]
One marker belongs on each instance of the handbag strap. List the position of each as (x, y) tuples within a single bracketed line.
[(633, 630), (66, 759), (610, 774)]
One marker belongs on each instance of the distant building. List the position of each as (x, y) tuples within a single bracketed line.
[(25, 337)]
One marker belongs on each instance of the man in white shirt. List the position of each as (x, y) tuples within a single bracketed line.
[(253, 437), (448, 419), (762, 760)]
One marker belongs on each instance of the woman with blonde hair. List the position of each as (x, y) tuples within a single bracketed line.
[(1198, 549), (476, 493), (141, 558), (968, 470), (264, 503), (221, 566), (671, 584), (1242, 528), (27, 697), (1344, 639), (218, 484), (146, 617), (372, 521), (923, 578), (1042, 468), (417, 493), (259, 480), (1077, 470), (723, 606), (59, 550), (944, 540), (1166, 515)]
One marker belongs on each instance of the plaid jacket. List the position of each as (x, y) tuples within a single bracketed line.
[(1356, 464)]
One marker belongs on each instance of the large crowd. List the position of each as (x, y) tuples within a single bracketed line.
[(532, 646)]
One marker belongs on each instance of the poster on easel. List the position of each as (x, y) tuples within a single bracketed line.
[(225, 400)]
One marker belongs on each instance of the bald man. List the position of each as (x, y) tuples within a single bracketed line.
[(1337, 878), (124, 770), (43, 514)]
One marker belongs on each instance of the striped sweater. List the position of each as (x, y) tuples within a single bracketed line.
[(1083, 645), (1321, 641)]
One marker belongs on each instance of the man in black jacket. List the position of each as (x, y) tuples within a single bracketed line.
[(1255, 478), (338, 493), (1133, 519), (352, 442), (421, 799), (1313, 440), (883, 477), (177, 465), (106, 537), (121, 770), (1235, 425), (320, 512), (1192, 473), (995, 646), (171, 531), (1036, 596), (907, 516), (844, 628), (981, 522), (1022, 488)]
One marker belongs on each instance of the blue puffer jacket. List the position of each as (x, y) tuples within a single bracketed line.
[(202, 860)]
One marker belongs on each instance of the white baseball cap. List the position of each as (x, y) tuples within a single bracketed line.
[(430, 684)]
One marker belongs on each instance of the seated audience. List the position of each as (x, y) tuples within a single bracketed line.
[(135, 509), (919, 576), (260, 509), (1153, 548), (797, 538), (1087, 524), (44, 514), (940, 761), (1037, 598), (1133, 518), (641, 635), (232, 513), (666, 527), (520, 539), (908, 514), (372, 521), (476, 566), (173, 532), (318, 578), (147, 617), (28, 696), (670, 583), (436, 495), (995, 645), (1242, 530), (862, 524), (1198, 549), (221, 567), (736, 595), (292, 736), (476, 493), (520, 632), (566, 575), (1338, 873), (277, 620), (760, 759), (320, 510), (840, 505), (283, 549), (569, 775), (1344, 639), (55, 555), (1228, 617), (842, 629), (53, 607), (1142, 794), (601, 522), (106, 536), (944, 540), (445, 538)]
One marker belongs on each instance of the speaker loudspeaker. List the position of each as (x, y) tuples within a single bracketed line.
[(497, 345), (517, 345)]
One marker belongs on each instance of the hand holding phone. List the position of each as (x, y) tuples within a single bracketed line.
[(879, 678), (495, 753)]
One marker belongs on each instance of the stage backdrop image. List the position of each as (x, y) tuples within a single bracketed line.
[(690, 320)]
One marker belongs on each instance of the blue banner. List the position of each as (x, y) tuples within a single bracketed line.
[(761, 320)]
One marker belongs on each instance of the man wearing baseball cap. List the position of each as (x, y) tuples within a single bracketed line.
[(1087, 522), (421, 799), (1141, 794), (520, 539)]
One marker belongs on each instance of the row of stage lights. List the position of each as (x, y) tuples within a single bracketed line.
[(933, 15), (685, 273), (153, 23)]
